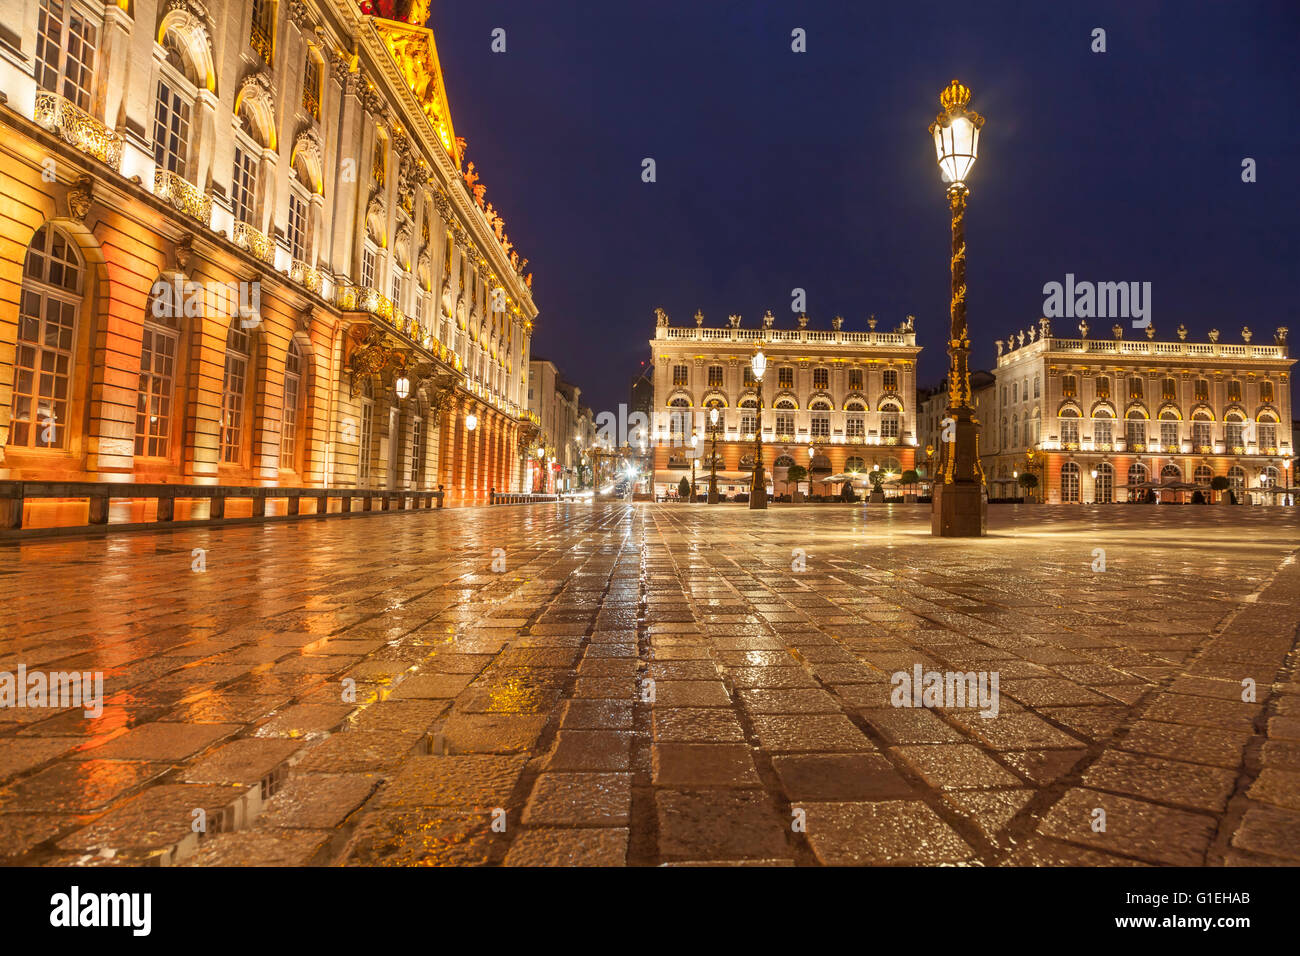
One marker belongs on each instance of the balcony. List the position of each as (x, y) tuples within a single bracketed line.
[(305, 276), (256, 242), (79, 129), (182, 195)]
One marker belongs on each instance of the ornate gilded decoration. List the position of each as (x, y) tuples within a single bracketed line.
[(79, 129), (255, 241), (182, 195), (80, 194)]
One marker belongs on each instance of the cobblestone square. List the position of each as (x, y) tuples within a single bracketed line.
[(650, 684)]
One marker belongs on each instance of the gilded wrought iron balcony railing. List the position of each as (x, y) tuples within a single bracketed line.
[(182, 195), (255, 241), (79, 129), (305, 275)]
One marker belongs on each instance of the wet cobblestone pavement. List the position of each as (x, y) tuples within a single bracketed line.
[(654, 684)]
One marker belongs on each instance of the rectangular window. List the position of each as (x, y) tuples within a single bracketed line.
[(297, 227), (1103, 387), (785, 377), (171, 129), (65, 52), (232, 406), (367, 267), (785, 423), (681, 374), (311, 87), (1070, 431), (1234, 390), (1201, 435), (748, 422), (820, 425), (363, 447), (821, 378), (1202, 390), (1267, 433), (259, 33), (890, 380), (1135, 387), (748, 375), (154, 401), (1135, 433), (715, 376), (855, 379), (243, 187), (889, 425), (1101, 431), (396, 287), (1169, 390), (1069, 386), (855, 427), (1169, 436), (1266, 391), (42, 381), (417, 451), (289, 417), (1232, 432)]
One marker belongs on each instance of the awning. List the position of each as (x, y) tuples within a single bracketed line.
[(674, 476)]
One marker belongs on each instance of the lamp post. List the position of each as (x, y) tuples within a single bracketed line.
[(758, 487), (1094, 485), (713, 456), (959, 508), (811, 453), (695, 444)]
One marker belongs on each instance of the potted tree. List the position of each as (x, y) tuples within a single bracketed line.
[(796, 474), (684, 490), (1028, 481), (1220, 483), (877, 478), (846, 492), (910, 479)]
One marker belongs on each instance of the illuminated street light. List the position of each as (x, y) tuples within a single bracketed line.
[(713, 456), (758, 487), (402, 386), (959, 508), (471, 421)]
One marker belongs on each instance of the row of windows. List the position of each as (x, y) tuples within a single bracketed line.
[(785, 377), (1104, 482), (1136, 386)]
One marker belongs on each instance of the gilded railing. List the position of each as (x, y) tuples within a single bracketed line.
[(255, 241), (305, 275), (183, 195), (78, 128)]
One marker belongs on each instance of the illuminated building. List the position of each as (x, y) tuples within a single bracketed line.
[(300, 155)]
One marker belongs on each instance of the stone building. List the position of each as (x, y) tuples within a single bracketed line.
[(1104, 415), (566, 430), (847, 396), (241, 245)]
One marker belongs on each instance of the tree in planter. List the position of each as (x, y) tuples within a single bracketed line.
[(877, 479), (910, 479), (846, 492), (1220, 483), (796, 473), (1028, 481), (684, 490)]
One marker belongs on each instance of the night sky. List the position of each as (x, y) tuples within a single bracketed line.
[(779, 170)]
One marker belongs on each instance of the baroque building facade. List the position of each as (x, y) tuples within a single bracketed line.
[(240, 245), (566, 432), (849, 397), (1094, 417)]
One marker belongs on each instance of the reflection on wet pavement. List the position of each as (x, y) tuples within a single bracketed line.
[(660, 684)]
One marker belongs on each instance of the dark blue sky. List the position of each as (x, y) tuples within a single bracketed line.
[(779, 170)]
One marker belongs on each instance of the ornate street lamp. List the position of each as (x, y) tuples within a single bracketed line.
[(471, 421), (695, 444), (758, 487), (959, 509), (403, 387), (713, 460)]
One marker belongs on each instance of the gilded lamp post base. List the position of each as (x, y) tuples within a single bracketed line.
[(959, 511), (758, 490)]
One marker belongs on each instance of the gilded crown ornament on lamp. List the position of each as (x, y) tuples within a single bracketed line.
[(956, 133)]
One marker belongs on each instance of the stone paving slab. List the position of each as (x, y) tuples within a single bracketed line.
[(654, 685)]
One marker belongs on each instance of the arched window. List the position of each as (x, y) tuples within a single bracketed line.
[(1103, 428), (174, 98), (1036, 386), (1234, 427), (784, 461), (1015, 430), (820, 405), (53, 274), (1104, 492), (855, 422), (1266, 433), (1137, 473), (294, 394), (678, 419), (1269, 477), (1203, 475), (1135, 425), (1171, 472), (1069, 428), (234, 383), (159, 345), (855, 464), (1169, 430), (1070, 482)]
